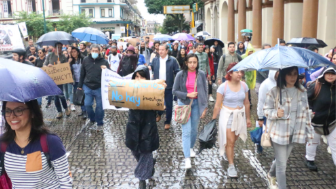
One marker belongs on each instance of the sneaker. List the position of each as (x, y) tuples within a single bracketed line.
[(232, 171), (73, 107), (192, 153), (67, 111), (211, 99), (311, 165), (187, 163), (59, 115), (272, 181), (328, 149)]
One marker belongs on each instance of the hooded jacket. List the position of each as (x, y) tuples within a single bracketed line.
[(91, 72), (141, 130), (238, 51), (250, 76), (265, 86)]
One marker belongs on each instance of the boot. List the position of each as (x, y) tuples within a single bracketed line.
[(142, 184), (84, 115), (311, 165), (59, 115), (68, 111)]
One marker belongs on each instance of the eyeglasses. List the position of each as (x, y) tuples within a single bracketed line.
[(17, 112)]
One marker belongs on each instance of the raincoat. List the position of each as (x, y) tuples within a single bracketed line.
[(250, 76)]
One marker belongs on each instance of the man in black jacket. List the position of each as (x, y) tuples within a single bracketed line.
[(90, 81)]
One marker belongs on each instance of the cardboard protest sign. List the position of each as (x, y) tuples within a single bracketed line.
[(133, 41), (151, 38), (137, 94), (60, 73)]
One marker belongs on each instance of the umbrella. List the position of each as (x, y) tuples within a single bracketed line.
[(207, 136), (162, 37), (247, 34), (183, 37), (306, 41), (256, 135), (211, 42), (203, 33), (91, 35), (246, 31), (22, 83), (54, 37)]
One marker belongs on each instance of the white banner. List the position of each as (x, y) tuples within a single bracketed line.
[(122, 29), (107, 76), (23, 29), (10, 38)]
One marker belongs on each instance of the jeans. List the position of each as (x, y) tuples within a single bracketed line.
[(61, 98), (90, 95), (169, 105), (74, 91), (189, 130), (215, 69), (278, 167), (68, 88), (311, 147)]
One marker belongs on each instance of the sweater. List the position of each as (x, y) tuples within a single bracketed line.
[(203, 62)]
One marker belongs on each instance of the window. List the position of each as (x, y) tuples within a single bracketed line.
[(110, 12), (91, 13), (102, 12)]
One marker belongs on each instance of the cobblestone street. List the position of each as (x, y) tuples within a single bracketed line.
[(101, 159)]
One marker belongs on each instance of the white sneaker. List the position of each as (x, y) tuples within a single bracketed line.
[(272, 182), (73, 107), (329, 151), (192, 153), (211, 99), (187, 163), (232, 171)]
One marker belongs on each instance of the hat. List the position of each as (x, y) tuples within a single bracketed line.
[(19, 51), (328, 70), (131, 48)]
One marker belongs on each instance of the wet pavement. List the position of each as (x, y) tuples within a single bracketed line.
[(101, 159)]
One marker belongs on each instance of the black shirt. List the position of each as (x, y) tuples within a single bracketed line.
[(39, 62), (85, 53)]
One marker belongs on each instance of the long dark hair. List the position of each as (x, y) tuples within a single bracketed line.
[(79, 56), (180, 58), (185, 68), (37, 124), (281, 81), (209, 53)]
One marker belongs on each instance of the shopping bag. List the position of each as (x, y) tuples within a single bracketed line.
[(78, 98), (207, 136), (256, 135)]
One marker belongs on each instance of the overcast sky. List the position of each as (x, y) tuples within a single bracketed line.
[(149, 17)]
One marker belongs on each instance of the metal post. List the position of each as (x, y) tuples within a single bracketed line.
[(44, 22)]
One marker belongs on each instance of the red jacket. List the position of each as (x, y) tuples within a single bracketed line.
[(211, 64)]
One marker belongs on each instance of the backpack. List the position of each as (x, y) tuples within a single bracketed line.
[(126, 66), (109, 57), (239, 58)]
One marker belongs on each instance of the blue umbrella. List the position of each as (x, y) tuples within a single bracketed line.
[(162, 37), (91, 35), (22, 83), (54, 37)]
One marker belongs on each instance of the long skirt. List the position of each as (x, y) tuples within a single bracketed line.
[(144, 168)]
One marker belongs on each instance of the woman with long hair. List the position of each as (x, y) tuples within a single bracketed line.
[(234, 108), (32, 156), (191, 84), (212, 70), (182, 57), (288, 121), (175, 49)]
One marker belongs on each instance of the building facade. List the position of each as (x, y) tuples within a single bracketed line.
[(271, 19)]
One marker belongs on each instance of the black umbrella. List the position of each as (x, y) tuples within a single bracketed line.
[(306, 41), (211, 42), (54, 37), (207, 137)]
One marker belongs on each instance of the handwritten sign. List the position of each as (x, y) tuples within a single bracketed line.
[(60, 73), (133, 41), (137, 94)]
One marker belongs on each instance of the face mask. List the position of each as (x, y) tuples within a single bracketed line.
[(94, 55), (114, 53)]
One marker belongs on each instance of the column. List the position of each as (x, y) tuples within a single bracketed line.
[(241, 18), (257, 23), (278, 21), (309, 18), (231, 21)]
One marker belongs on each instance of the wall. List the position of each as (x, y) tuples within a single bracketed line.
[(293, 20), (267, 16)]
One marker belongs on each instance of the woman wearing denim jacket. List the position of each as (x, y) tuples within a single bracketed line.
[(184, 90), (288, 123)]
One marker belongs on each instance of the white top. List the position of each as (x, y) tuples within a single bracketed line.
[(114, 61), (162, 73)]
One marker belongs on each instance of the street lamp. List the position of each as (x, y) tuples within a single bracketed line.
[(44, 22)]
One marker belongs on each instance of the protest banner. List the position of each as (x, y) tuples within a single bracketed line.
[(23, 29), (107, 76), (133, 41), (151, 38), (60, 73), (10, 38), (137, 94)]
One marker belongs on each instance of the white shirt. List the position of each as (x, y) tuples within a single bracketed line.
[(114, 61), (162, 72)]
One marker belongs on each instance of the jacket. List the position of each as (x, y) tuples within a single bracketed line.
[(91, 72), (224, 62), (203, 62), (134, 62), (218, 50), (81, 58), (323, 105), (172, 68), (280, 130), (265, 86), (180, 89), (52, 59), (238, 51), (141, 130)]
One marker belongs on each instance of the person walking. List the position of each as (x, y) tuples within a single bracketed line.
[(288, 123), (234, 108), (54, 58), (175, 49), (191, 84), (76, 60), (31, 155), (114, 58), (182, 57), (128, 63), (212, 70), (83, 50), (224, 62), (142, 136), (165, 67), (90, 82), (155, 53), (322, 102), (240, 48), (218, 49)]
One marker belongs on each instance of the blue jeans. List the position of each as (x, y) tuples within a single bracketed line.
[(90, 95), (215, 69), (68, 88), (169, 105), (189, 130), (74, 91), (61, 98)]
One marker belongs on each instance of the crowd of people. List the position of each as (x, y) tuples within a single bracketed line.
[(190, 70)]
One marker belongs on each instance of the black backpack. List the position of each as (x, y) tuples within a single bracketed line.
[(126, 66)]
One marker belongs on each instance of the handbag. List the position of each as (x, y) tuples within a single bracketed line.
[(78, 98), (182, 112), (265, 140), (5, 182)]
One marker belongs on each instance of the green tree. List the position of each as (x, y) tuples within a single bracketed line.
[(34, 23), (169, 24), (69, 23)]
